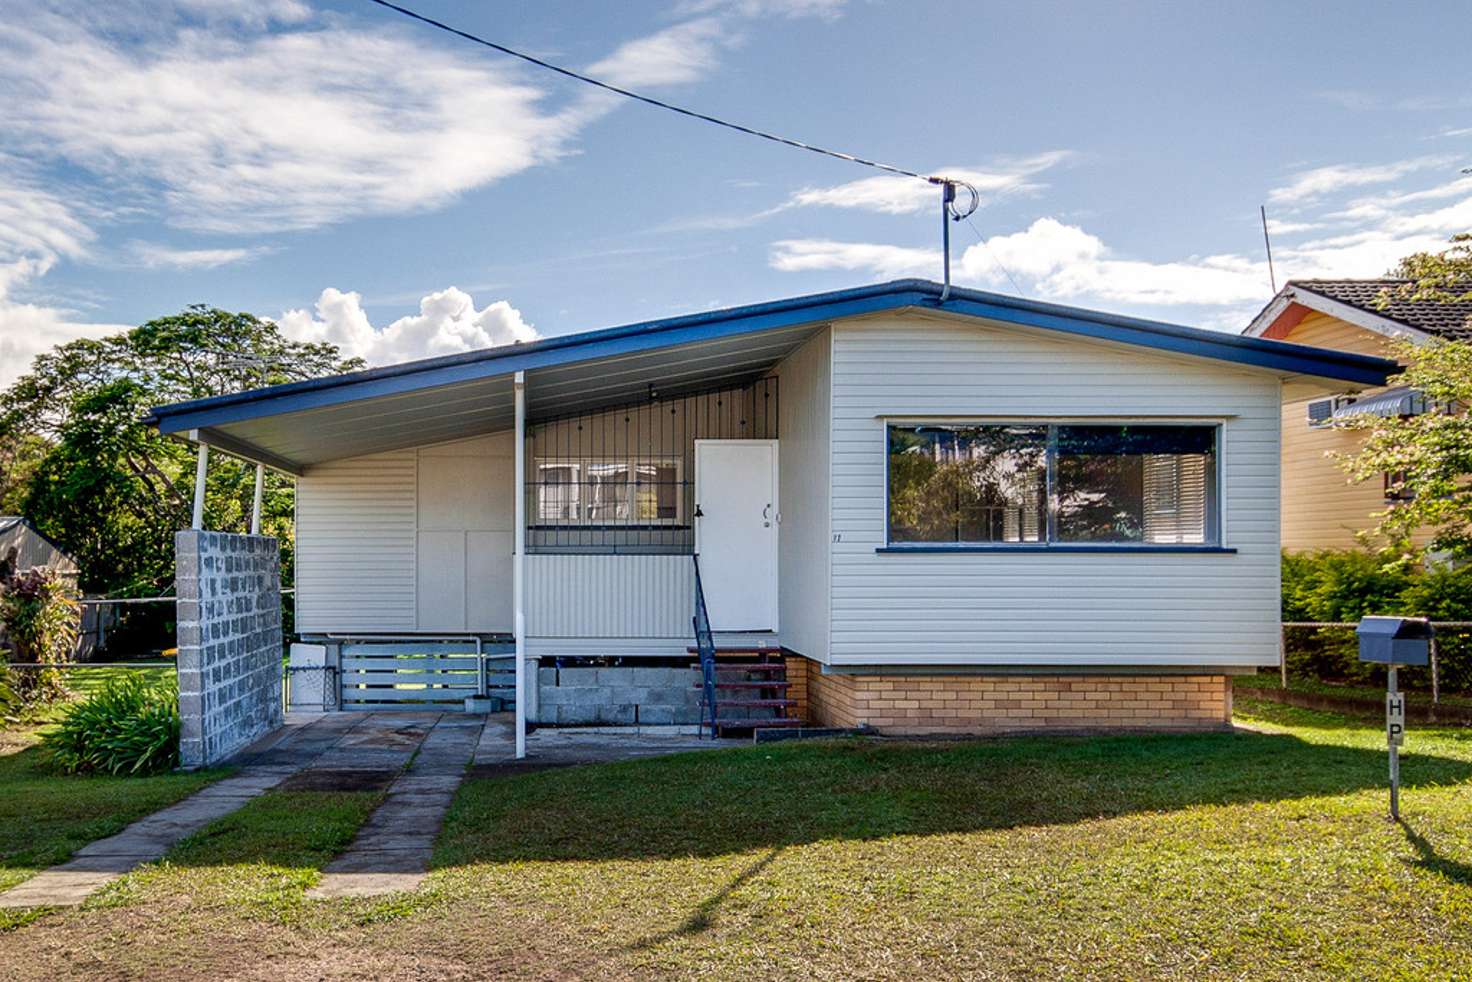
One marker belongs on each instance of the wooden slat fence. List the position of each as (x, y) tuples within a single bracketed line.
[(413, 675)]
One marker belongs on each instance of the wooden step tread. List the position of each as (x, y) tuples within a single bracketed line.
[(763, 684), (756, 724), (762, 668), (739, 651), (752, 702)]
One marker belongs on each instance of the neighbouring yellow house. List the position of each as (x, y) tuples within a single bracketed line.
[(1322, 509)]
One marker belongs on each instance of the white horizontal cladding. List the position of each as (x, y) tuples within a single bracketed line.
[(355, 544), (1046, 608), (609, 596)]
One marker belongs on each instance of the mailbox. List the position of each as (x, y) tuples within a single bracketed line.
[(1395, 640)]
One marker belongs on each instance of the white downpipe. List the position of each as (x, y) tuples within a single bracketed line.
[(201, 468), (517, 562), (255, 505)]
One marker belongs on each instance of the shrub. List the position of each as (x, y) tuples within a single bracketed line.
[(130, 726), (1345, 585), (41, 622)]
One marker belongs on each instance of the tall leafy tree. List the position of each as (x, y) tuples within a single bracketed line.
[(1428, 455), (76, 458)]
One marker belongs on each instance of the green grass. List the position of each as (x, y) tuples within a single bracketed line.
[(45, 816), (1261, 854), (1271, 680), (258, 861)]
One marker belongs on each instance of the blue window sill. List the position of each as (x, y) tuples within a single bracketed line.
[(930, 550)]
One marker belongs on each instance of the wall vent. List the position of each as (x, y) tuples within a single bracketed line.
[(1321, 411)]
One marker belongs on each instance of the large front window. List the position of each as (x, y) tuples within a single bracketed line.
[(955, 484)]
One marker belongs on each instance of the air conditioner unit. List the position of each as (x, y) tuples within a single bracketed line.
[(1321, 411)]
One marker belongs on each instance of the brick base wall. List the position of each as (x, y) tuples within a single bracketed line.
[(952, 704)]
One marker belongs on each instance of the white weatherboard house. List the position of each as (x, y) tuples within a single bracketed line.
[(921, 514)]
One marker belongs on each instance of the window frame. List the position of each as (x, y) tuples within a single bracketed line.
[(632, 463), (1216, 511)]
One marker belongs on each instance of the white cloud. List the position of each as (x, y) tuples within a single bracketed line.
[(447, 323), (247, 117), (28, 329), (37, 229), (674, 56), (287, 129), (791, 9), (1055, 260), (152, 255), (1320, 181), (883, 261), (897, 195)]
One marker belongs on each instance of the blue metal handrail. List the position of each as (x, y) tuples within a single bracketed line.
[(705, 644)]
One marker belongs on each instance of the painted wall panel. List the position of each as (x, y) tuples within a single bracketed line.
[(803, 451), (1040, 608), (441, 580), (416, 540)]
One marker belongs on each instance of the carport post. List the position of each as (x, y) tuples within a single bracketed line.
[(201, 468), (255, 505), (518, 552)]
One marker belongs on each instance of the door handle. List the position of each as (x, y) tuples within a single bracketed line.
[(698, 512), (766, 517)]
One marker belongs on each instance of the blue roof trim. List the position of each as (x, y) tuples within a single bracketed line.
[(734, 321)]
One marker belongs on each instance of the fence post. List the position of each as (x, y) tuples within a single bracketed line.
[(1282, 656), (1435, 676)]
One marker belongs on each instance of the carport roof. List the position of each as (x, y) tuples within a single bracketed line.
[(291, 427)]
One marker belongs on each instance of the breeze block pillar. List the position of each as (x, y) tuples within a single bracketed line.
[(229, 637)]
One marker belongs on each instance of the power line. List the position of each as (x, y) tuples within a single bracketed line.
[(659, 104), (995, 258)]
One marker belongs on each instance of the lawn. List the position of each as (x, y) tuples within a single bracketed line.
[(44, 816), (1260, 854)]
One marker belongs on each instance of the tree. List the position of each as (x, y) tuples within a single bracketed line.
[(1428, 455), (76, 458), (1438, 277)]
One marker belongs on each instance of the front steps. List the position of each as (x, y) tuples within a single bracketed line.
[(752, 692)]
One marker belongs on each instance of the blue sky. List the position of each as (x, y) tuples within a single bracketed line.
[(363, 179)]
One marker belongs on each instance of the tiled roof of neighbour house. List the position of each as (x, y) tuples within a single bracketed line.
[(1447, 320)]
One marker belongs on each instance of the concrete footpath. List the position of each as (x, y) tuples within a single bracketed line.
[(392, 849), (297, 746)]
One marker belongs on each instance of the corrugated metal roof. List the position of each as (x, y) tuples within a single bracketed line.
[(297, 425)]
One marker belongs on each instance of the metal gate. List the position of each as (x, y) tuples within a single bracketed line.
[(420, 675)]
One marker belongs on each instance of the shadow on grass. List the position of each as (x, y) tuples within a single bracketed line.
[(769, 796), (1429, 859), (702, 917)]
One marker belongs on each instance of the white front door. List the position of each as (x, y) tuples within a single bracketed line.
[(736, 532)]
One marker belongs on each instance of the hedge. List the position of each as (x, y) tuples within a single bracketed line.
[(1345, 585)]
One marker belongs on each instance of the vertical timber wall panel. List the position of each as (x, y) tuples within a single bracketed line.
[(229, 662), (355, 540)]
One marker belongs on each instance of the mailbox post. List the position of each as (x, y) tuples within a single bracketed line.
[(1395, 641)]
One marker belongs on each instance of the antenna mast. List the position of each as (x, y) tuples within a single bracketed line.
[(1268, 244), (950, 213)]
